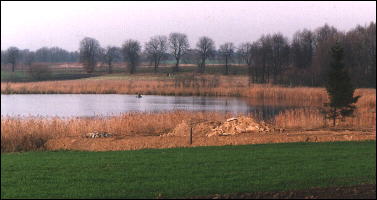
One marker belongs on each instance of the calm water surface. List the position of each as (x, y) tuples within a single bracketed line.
[(88, 105)]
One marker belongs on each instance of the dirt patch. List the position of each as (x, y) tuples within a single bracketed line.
[(367, 191), (199, 139), (233, 131), (237, 125), (199, 128), (232, 126)]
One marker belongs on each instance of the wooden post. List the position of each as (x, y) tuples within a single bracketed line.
[(190, 135)]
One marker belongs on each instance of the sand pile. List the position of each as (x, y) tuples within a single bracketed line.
[(182, 129), (234, 126), (198, 128)]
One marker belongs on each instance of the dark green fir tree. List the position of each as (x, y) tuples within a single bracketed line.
[(339, 88)]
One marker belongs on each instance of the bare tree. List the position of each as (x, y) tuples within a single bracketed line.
[(156, 48), (131, 53), (245, 53), (89, 53), (206, 47), (178, 46), (302, 49), (29, 58), (111, 53), (227, 51), (12, 56), (324, 38), (280, 55)]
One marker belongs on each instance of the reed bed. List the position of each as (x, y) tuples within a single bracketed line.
[(31, 134), (364, 116), (204, 85), (25, 134)]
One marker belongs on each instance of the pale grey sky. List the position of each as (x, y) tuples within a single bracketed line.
[(36, 24)]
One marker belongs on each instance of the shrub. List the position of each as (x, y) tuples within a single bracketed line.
[(40, 72)]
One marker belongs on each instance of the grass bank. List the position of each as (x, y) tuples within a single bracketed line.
[(186, 172)]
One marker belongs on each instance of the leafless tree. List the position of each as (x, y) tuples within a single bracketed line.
[(325, 37), (302, 49), (206, 47), (178, 45), (245, 53), (111, 53), (360, 54), (227, 51), (89, 53), (156, 48), (280, 55), (29, 58), (12, 56), (131, 53)]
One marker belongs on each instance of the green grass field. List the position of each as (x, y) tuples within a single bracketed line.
[(23, 76), (119, 73), (186, 172)]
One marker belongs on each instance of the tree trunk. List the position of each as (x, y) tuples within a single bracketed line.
[(226, 66), (176, 69), (13, 66), (203, 66), (110, 68), (156, 63)]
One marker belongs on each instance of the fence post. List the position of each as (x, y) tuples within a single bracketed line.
[(190, 134)]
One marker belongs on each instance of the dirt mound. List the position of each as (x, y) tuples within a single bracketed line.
[(234, 126), (198, 128), (231, 126), (182, 129)]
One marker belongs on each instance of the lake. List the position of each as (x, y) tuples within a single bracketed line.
[(89, 105)]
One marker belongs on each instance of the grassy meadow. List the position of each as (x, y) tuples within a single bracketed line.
[(187, 172)]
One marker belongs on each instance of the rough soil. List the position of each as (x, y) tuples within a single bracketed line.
[(367, 191), (119, 142)]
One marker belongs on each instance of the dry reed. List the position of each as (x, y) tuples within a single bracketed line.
[(364, 116), (30, 134), (204, 85)]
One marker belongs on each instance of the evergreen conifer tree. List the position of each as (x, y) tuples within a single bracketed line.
[(339, 88)]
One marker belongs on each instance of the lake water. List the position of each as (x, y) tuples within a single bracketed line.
[(88, 105)]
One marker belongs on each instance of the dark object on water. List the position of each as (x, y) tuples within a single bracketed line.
[(138, 96)]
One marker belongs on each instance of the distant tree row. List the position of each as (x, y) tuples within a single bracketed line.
[(44, 54), (271, 59)]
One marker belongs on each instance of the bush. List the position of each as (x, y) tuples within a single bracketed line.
[(39, 72)]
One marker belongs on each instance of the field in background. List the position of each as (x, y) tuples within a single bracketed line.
[(187, 172), (70, 71)]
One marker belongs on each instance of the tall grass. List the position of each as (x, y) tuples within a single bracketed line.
[(364, 116), (205, 85), (31, 134), (25, 134)]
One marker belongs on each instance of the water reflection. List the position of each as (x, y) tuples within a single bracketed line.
[(88, 105)]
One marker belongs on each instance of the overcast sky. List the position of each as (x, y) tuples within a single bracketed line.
[(36, 24)]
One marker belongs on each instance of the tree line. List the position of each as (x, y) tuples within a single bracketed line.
[(271, 59)]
